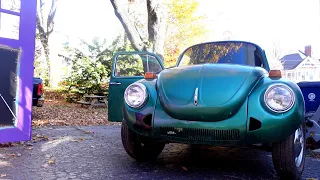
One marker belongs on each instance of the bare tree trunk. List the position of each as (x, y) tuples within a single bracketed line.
[(45, 26), (44, 39), (156, 26), (121, 11), (47, 57), (125, 41)]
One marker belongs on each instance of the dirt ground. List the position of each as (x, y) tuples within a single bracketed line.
[(61, 113), (57, 113)]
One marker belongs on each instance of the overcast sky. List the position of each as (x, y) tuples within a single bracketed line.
[(292, 23)]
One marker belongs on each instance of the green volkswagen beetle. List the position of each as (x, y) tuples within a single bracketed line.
[(219, 93)]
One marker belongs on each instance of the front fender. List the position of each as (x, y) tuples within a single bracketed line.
[(140, 120), (286, 123)]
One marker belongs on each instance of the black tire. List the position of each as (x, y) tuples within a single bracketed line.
[(34, 102), (139, 147), (284, 154)]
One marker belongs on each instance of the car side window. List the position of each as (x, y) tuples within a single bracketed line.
[(136, 65)]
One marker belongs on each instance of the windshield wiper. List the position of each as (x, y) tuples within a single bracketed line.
[(170, 67)]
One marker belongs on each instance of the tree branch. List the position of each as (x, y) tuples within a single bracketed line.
[(51, 16), (51, 29), (40, 28), (120, 11), (103, 52), (41, 13)]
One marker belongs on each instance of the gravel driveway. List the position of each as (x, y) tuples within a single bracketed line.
[(96, 153)]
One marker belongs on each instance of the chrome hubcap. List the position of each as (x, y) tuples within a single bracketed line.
[(298, 146)]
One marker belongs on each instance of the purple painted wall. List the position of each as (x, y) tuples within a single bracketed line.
[(21, 130)]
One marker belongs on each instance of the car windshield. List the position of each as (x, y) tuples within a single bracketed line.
[(222, 52)]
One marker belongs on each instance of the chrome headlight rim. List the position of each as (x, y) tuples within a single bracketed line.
[(289, 89), (145, 92)]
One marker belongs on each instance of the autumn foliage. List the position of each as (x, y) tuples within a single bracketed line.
[(184, 28)]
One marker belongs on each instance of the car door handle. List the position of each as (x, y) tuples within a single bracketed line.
[(115, 83)]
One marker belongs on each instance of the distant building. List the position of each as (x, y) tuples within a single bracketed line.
[(301, 66)]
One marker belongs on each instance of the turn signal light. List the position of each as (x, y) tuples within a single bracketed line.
[(150, 75), (275, 73)]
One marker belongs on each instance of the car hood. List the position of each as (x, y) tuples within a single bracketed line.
[(222, 89)]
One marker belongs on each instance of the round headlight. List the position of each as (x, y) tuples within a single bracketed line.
[(279, 98), (135, 95)]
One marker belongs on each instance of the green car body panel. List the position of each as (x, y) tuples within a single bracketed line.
[(230, 110), (222, 90), (274, 126)]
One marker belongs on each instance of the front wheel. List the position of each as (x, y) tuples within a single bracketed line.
[(139, 147), (289, 155)]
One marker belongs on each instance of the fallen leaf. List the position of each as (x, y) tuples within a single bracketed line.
[(312, 179), (51, 161), (6, 145), (73, 140), (45, 165), (88, 132), (81, 139), (52, 139), (184, 168), (61, 113), (3, 175), (11, 154), (48, 155), (30, 148)]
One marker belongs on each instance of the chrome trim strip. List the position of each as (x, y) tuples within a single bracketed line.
[(196, 97)]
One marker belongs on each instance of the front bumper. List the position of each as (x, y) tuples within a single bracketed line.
[(248, 126)]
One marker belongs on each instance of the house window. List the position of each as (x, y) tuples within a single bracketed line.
[(9, 25), (289, 75)]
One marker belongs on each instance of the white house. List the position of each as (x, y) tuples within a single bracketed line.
[(301, 66)]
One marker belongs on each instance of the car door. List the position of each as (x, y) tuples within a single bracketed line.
[(128, 67)]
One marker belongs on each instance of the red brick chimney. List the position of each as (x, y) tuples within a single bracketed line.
[(307, 50)]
